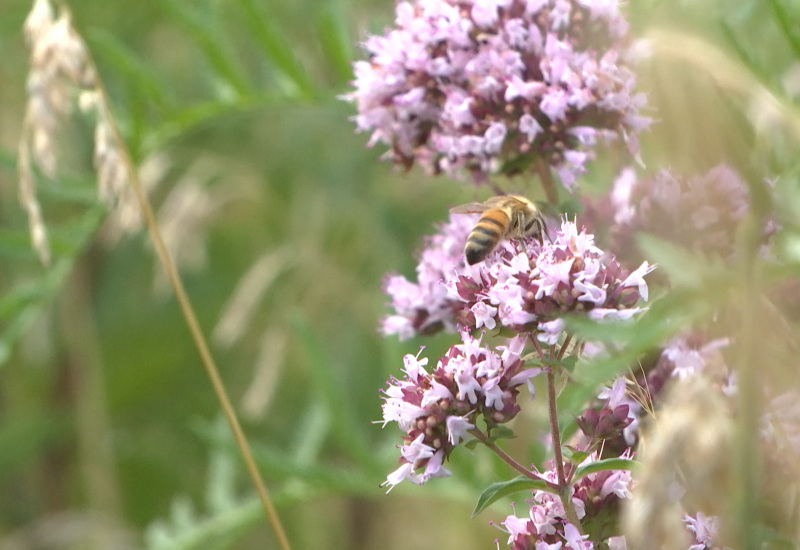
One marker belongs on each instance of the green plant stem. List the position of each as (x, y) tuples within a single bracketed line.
[(483, 438), (85, 362), (751, 356), (563, 349), (193, 324), (554, 431), (564, 489)]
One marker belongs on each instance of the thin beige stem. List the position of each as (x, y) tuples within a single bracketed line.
[(194, 326)]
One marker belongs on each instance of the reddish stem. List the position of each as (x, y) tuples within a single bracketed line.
[(564, 489), (483, 438)]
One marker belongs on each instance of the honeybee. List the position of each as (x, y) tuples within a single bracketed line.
[(504, 217)]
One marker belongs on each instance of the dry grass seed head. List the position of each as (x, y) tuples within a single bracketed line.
[(61, 72), (685, 467)]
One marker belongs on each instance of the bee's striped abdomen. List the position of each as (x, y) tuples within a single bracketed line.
[(487, 233)]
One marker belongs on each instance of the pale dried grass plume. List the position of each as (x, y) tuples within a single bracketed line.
[(267, 371), (250, 290), (62, 75), (183, 218), (685, 466), (126, 218)]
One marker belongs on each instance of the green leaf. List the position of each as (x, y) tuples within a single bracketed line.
[(501, 432), (18, 299), (277, 48), (182, 121), (348, 431), (15, 244), (140, 76), (315, 478), (570, 207), (501, 489), (217, 531), (772, 539), (568, 363), (605, 465), (24, 438), (568, 426), (202, 29), (334, 36), (314, 426), (574, 455), (735, 42), (8, 160), (783, 15), (80, 192), (23, 309), (517, 165), (664, 317), (683, 267)]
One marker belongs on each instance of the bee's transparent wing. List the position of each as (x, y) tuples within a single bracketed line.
[(471, 208)]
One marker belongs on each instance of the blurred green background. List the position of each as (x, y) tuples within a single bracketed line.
[(110, 436)]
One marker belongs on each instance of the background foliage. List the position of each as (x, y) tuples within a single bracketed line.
[(109, 433)]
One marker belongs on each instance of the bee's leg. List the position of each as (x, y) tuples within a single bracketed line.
[(543, 232)]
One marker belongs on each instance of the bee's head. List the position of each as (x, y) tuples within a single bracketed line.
[(534, 225), (526, 220), (533, 222)]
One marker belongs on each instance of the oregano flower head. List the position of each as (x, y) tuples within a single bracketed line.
[(523, 285), (491, 86), (437, 409)]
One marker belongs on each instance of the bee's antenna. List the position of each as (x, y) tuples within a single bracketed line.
[(496, 189)]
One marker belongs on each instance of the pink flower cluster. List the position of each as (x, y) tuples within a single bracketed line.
[(523, 285), (700, 212), (614, 420), (546, 527), (703, 529), (436, 409), (427, 306), (487, 86), (618, 417), (529, 289)]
